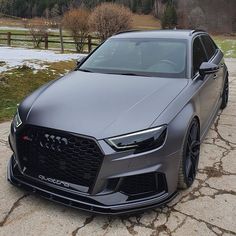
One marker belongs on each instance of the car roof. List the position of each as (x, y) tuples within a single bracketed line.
[(175, 34)]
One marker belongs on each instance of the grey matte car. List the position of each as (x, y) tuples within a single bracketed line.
[(122, 132)]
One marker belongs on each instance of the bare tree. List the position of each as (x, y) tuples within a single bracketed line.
[(46, 13), (197, 18), (76, 21), (109, 18), (38, 28)]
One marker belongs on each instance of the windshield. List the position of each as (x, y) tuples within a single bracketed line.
[(144, 57)]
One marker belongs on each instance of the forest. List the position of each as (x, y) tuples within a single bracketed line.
[(54, 8)]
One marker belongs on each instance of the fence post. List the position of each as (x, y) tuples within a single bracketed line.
[(9, 39), (89, 43), (46, 41), (61, 39)]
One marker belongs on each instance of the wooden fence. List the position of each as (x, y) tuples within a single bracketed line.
[(48, 40)]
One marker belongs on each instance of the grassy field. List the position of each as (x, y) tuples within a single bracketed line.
[(227, 45), (18, 83), (145, 22)]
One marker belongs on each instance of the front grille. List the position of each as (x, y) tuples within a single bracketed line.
[(59, 155)]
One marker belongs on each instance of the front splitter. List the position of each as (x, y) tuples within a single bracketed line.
[(80, 202)]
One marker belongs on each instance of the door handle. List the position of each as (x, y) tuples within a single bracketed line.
[(215, 76)]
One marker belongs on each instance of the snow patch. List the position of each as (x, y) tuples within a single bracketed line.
[(35, 59)]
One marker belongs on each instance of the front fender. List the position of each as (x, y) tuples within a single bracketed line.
[(178, 127)]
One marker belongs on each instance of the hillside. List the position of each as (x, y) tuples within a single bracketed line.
[(145, 22)]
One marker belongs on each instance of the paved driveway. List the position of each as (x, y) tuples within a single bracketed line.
[(208, 208)]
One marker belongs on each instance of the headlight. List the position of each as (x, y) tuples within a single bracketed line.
[(17, 120), (140, 141)]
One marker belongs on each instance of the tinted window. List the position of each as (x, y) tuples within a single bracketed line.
[(140, 56), (199, 55), (209, 46)]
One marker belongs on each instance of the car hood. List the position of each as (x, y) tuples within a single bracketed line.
[(102, 105)]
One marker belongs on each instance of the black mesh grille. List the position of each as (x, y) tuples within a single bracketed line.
[(144, 184), (59, 155)]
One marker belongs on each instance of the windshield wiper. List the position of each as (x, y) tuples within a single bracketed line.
[(133, 74), (84, 70)]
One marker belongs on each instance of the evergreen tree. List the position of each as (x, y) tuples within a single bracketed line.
[(55, 11), (147, 6), (169, 18)]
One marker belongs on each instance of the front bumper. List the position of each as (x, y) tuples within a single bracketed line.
[(106, 196), (94, 204)]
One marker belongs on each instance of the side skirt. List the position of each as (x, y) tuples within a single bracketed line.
[(211, 121)]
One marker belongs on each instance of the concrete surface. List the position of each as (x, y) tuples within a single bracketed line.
[(208, 208)]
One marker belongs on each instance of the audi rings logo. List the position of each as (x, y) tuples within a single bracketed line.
[(53, 142)]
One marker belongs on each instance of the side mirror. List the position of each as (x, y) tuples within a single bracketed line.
[(207, 68), (80, 60)]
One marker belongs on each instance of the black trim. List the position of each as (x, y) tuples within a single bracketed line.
[(197, 31), (9, 141), (78, 201), (126, 31)]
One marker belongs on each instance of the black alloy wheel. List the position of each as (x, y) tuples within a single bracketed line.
[(190, 158), (225, 96)]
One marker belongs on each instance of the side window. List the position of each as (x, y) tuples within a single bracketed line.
[(199, 55), (209, 46)]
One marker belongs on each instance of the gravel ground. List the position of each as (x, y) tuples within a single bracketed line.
[(208, 208)]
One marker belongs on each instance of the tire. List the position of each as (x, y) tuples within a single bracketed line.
[(225, 95), (190, 156)]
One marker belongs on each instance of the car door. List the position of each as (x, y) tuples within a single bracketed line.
[(208, 92), (215, 56)]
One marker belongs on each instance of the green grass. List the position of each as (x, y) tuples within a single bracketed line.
[(227, 45), (18, 83)]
